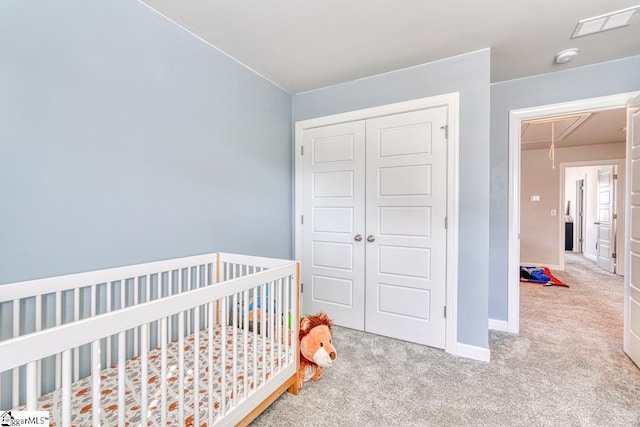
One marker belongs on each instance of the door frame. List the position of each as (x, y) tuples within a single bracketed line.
[(451, 101), (516, 117), (578, 240)]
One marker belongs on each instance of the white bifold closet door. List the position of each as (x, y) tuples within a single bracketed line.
[(333, 214), (374, 233)]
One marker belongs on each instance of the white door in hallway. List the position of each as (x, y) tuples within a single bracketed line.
[(605, 246), (406, 234), (632, 280), (333, 222)]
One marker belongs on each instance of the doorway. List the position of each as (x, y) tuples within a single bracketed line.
[(594, 194), (515, 121)]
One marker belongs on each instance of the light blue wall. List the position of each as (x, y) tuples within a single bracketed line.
[(125, 139), (469, 75), (578, 83)]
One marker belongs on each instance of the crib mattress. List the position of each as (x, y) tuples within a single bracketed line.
[(81, 413)]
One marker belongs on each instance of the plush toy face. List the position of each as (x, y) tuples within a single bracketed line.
[(316, 345)]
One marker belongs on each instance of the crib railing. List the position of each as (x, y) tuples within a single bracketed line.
[(36, 305), (144, 318)]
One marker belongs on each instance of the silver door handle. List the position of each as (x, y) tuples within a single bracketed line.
[(358, 237), (371, 238)]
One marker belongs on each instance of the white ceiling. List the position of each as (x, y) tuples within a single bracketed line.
[(305, 45)]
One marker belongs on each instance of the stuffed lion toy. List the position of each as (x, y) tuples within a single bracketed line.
[(316, 347)]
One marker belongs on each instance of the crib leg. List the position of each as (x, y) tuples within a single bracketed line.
[(295, 387)]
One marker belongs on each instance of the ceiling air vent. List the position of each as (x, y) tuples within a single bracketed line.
[(609, 21)]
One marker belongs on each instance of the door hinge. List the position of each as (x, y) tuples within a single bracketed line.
[(301, 287), (445, 311), (301, 219), (302, 150), (615, 176), (613, 255), (446, 222), (446, 131), (615, 216)]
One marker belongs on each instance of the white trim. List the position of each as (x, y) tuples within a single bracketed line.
[(447, 100), (590, 257), (473, 352), (451, 101), (499, 325), (620, 164), (539, 264), (515, 120)]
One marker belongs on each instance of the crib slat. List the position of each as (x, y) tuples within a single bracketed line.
[(121, 377), (171, 285), (38, 313), (279, 325), (38, 327), (95, 382), (147, 288), (287, 321), (256, 292), (210, 401), (66, 388), (196, 371), (108, 309), (163, 371), (136, 301), (234, 340), (158, 296), (263, 331), (16, 317), (181, 367), (144, 373), (196, 357), (272, 286), (93, 296), (58, 367), (245, 364), (76, 317), (223, 356), (190, 312), (15, 375)]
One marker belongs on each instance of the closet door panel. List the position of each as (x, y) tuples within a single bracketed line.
[(333, 209), (405, 222)]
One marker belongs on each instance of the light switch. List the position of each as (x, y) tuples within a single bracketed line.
[(554, 212), (535, 198)]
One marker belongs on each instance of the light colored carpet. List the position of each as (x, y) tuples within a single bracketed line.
[(565, 368)]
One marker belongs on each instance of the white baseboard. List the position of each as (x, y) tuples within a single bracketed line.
[(499, 325), (538, 264), (473, 352), (591, 257)]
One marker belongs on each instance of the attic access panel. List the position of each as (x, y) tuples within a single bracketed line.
[(539, 131)]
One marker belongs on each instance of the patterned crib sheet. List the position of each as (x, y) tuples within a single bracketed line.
[(81, 413)]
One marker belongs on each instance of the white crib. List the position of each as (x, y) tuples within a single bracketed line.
[(197, 341)]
